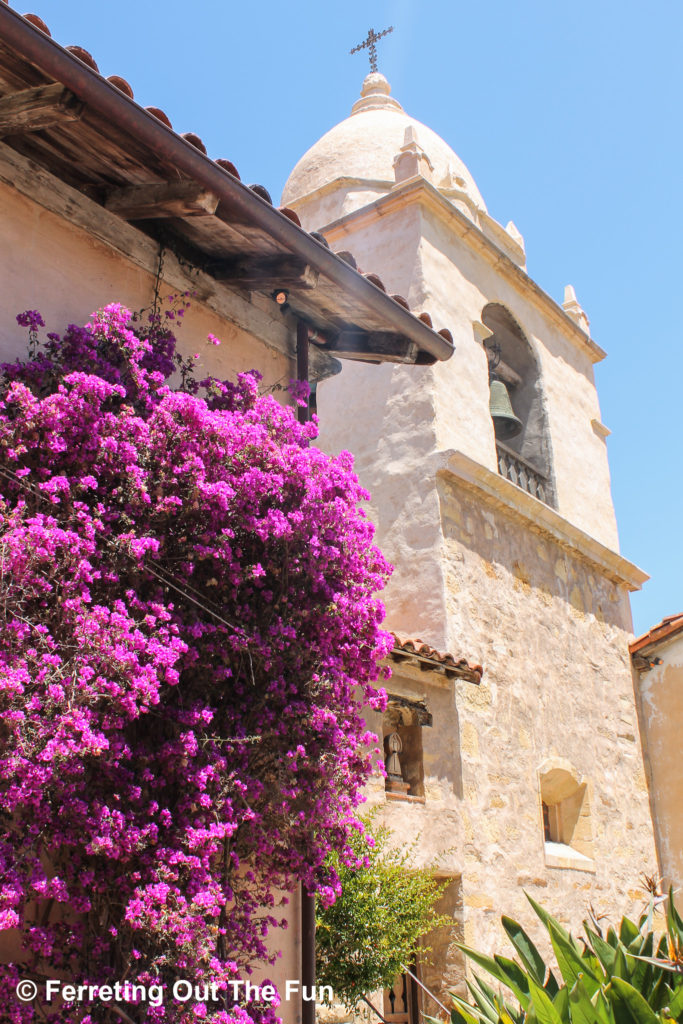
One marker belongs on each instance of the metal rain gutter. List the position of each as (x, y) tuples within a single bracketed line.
[(106, 99)]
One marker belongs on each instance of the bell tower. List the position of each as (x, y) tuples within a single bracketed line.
[(491, 494)]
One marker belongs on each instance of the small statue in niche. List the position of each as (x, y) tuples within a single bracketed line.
[(393, 762), (394, 781)]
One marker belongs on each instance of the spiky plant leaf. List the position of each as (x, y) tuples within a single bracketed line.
[(486, 1007), (605, 953), (638, 1010), (547, 918), (628, 931), (571, 964), (582, 1007), (528, 954), (544, 1009), (674, 1002), (498, 971)]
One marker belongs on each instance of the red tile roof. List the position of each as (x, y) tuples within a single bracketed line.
[(406, 647), (665, 629), (124, 87)]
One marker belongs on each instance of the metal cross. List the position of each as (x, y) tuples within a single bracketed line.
[(370, 42)]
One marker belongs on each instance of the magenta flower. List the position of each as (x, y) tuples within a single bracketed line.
[(188, 642)]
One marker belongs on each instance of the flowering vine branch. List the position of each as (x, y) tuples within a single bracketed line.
[(188, 635)]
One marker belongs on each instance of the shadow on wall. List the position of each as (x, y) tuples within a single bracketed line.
[(443, 969)]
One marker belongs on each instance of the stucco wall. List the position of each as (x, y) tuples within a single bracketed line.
[(419, 251), (661, 696), (51, 264), (385, 416)]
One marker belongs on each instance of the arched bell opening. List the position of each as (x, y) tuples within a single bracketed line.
[(517, 406)]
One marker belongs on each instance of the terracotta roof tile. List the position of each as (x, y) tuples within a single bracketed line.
[(292, 214), (123, 86), (348, 257), (195, 141), (668, 627), (407, 646), (39, 23), (160, 116), (83, 55), (263, 192), (228, 166), (377, 281)]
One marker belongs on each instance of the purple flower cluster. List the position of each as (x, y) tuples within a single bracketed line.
[(188, 637)]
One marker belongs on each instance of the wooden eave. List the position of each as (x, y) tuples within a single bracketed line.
[(80, 128)]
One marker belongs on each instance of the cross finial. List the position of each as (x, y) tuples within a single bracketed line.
[(370, 44)]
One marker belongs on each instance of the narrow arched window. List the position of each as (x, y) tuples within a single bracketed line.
[(517, 406)]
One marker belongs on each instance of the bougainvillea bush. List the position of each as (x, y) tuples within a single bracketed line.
[(188, 634)]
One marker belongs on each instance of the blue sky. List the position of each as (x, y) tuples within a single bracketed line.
[(568, 116)]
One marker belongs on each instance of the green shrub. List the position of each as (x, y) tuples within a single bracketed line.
[(373, 928)]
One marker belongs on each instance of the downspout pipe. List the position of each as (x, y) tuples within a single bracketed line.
[(302, 372), (103, 97), (307, 956), (307, 898)]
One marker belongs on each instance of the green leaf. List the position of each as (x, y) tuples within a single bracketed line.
[(658, 995), (501, 1005), (551, 986), (572, 965), (487, 989), (497, 969), (549, 920), (462, 1013), (518, 981), (628, 931), (506, 1016), (641, 971), (561, 1003), (528, 954), (486, 1007), (583, 1010), (543, 1006), (637, 1007), (673, 920), (605, 953), (675, 1004), (621, 966)]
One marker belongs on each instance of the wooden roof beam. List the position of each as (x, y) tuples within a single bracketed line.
[(264, 273), (165, 199), (41, 107), (372, 346)]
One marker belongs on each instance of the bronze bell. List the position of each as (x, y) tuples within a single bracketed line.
[(505, 423)]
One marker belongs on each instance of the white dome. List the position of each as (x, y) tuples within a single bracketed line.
[(359, 154)]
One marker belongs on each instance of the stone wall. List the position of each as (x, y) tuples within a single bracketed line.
[(552, 635)]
